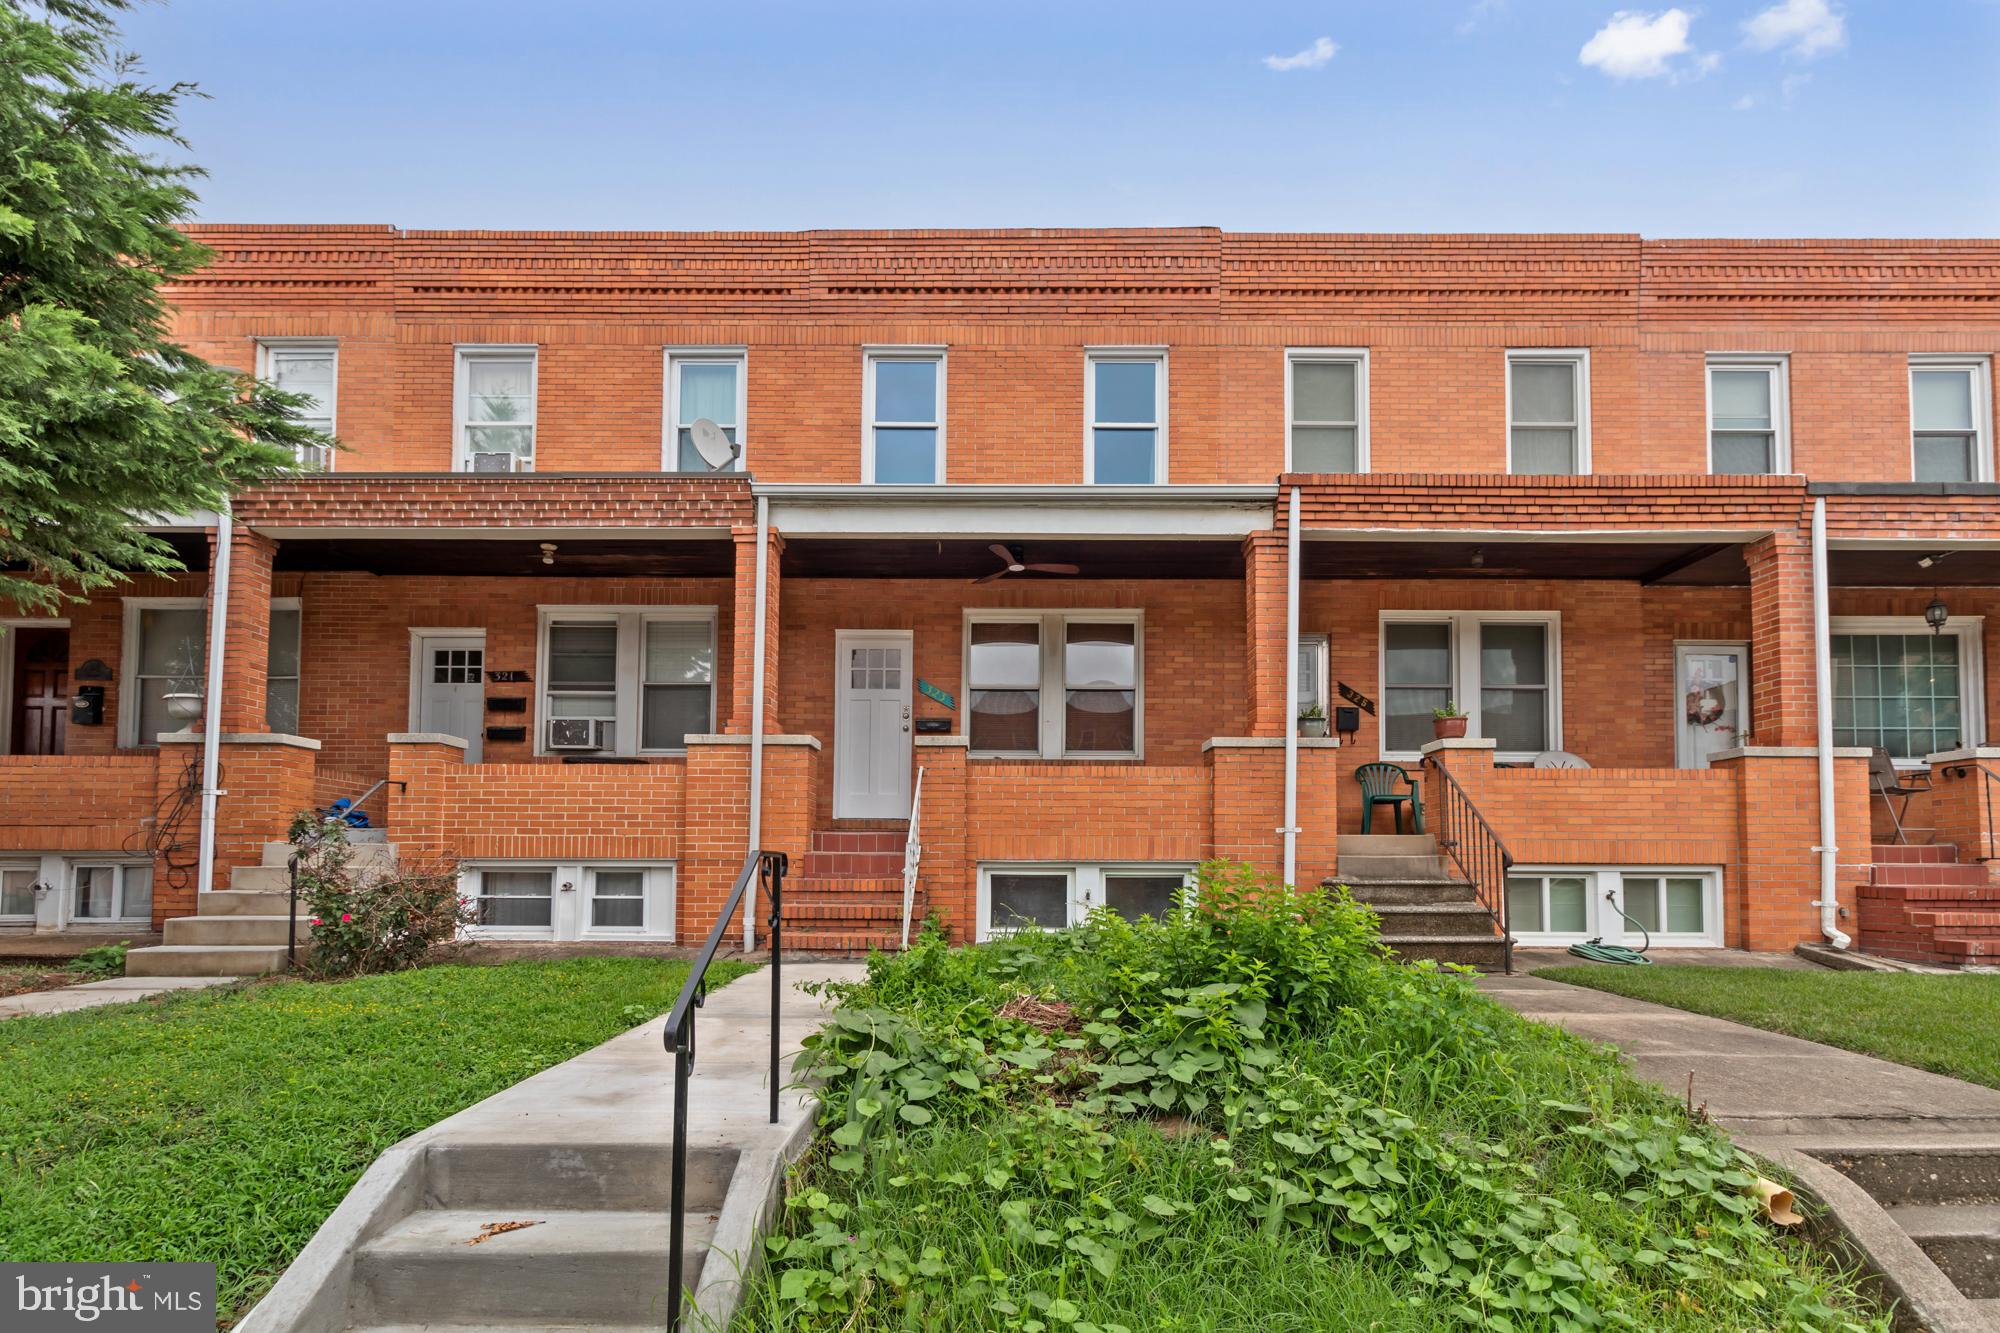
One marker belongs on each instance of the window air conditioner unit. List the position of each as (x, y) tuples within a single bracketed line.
[(496, 462), (580, 733)]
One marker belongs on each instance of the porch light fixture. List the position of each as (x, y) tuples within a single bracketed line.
[(1936, 614), (548, 553)]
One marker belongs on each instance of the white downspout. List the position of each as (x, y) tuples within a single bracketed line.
[(757, 713), (211, 735), (1828, 849), (1292, 694)]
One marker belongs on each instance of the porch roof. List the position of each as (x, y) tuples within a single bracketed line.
[(1693, 559), (512, 554)]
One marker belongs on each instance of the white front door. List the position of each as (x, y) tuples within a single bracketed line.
[(450, 688), (1711, 699), (871, 725)]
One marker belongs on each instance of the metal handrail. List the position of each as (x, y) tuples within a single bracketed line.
[(767, 870), (1466, 837), (913, 855), (292, 873)]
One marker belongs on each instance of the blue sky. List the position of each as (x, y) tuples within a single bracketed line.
[(1723, 117)]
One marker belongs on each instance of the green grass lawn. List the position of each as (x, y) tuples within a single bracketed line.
[(223, 1126), (1941, 1023)]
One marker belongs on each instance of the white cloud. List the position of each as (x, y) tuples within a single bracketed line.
[(1477, 15), (1792, 85), (1636, 45), (1321, 51), (1801, 28), (1747, 102)]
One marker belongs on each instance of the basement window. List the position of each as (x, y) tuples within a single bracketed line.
[(1678, 906), (112, 892), (1055, 896), (570, 900)]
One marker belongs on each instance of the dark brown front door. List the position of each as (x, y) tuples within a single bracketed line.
[(41, 690)]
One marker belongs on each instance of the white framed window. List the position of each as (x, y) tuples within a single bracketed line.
[(1314, 690), (1677, 906), (1749, 415), (1950, 434), (309, 366), (17, 890), (1055, 684), (111, 892), (1548, 412), (639, 680), (494, 409), (1503, 669), (709, 382), (1053, 896), (1125, 416), (567, 900), (1326, 409), (281, 675), (903, 415), (165, 652), (1898, 686)]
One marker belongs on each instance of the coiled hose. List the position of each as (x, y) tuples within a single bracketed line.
[(1597, 951)]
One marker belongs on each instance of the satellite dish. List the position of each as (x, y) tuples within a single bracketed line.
[(716, 448)]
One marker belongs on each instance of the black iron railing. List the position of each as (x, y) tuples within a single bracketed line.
[(767, 871), (1464, 835), (292, 871)]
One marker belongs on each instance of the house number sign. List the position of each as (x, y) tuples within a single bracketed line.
[(931, 691), (507, 677), (1354, 696)]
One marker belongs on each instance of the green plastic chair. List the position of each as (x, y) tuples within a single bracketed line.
[(1378, 787)]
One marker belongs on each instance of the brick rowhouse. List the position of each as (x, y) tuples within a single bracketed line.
[(1082, 737)]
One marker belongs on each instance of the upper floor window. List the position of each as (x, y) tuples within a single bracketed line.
[(309, 367), (703, 383), (1948, 419), (1327, 394), (903, 414), (495, 409), (1125, 410), (1548, 413), (1747, 427)]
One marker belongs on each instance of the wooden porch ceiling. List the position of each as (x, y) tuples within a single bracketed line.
[(1675, 563), (689, 559), (967, 558), (1899, 568)]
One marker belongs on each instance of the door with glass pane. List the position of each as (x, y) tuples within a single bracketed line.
[(451, 689), (871, 732), (1711, 699)]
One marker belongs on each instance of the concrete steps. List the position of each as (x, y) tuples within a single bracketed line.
[(1946, 1199), (1426, 909), (1922, 905), (1962, 1239), (241, 930)]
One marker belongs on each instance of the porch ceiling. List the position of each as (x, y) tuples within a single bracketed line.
[(1674, 563), (692, 558), (1898, 568), (969, 558)]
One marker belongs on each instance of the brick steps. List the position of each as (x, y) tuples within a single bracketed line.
[(1922, 905)]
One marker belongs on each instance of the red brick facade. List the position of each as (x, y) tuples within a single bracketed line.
[(1646, 552)]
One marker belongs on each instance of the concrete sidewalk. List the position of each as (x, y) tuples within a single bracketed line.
[(91, 994), (1763, 1087)]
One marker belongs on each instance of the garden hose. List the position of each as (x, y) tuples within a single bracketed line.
[(1597, 951)]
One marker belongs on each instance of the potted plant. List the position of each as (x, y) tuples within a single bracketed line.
[(1448, 722), (1312, 720)]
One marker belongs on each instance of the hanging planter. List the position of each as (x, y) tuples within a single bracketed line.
[(182, 705)]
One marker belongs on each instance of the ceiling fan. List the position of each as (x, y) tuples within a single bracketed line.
[(1011, 563)]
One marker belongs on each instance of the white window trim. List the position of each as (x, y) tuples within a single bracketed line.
[(1354, 356), (870, 357), (288, 604), (1971, 632), (1779, 367), (1576, 356), (1465, 667), (629, 687), (1981, 370), (676, 357), (8, 624), (33, 865), (466, 353), (1086, 885), (128, 663), (569, 909), (419, 633), (1053, 686), (121, 866), (266, 346), (1601, 922), (1092, 356), (1322, 646)]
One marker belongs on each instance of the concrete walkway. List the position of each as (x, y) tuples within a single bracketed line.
[(582, 1152), (91, 994), (1761, 1086)]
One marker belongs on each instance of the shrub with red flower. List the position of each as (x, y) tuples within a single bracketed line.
[(382, 918)]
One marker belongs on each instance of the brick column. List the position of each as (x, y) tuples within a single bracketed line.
[(1771, 906), (246, 638), (945, 872), (1781, 640), (422, 761), (1965, 805), (265, 780), (1264, 631), (1247, 803), (743, 636), (716, 833)]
